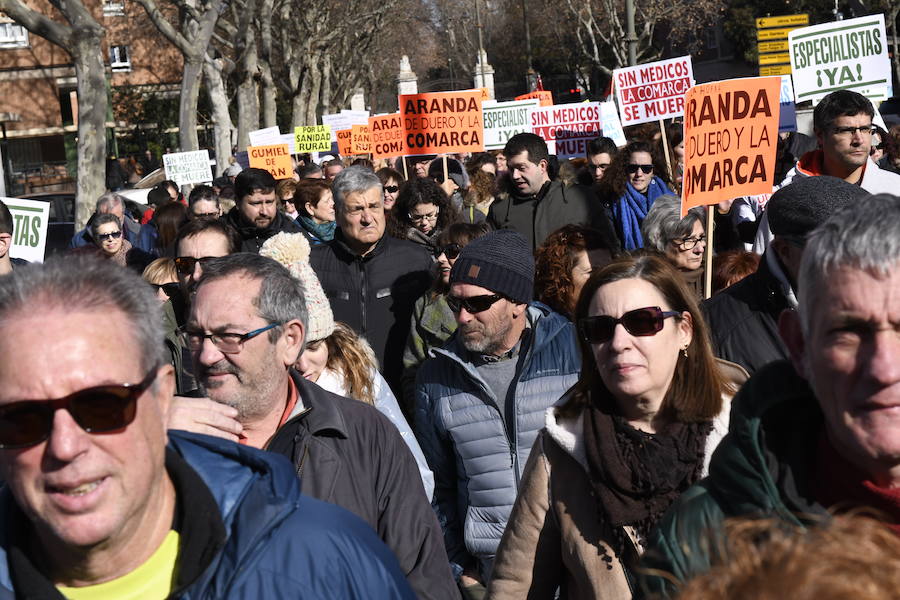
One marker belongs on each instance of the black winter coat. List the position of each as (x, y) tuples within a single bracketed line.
[(348, 453), (252, 236), (375, 294), (743, 320)]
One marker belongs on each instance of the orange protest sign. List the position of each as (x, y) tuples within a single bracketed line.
[(275, 159), (386, 134), (344, 141), (545, 96), (730, 133), (442, 122), (359, 140)]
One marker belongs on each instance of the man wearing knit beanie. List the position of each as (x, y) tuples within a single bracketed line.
[(480, 401)]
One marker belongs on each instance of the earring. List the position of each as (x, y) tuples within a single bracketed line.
[(684, 351)]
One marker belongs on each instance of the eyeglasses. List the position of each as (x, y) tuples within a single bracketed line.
[(392, 189), (639, 322), (429, 217), (865, 130), (227, 343), (185, 264), (473, 304), (98, 409), (112, 235), (169, 289), (688, 243), (451, 251), (632, 169)]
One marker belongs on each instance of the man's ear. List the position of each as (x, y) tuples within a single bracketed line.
[(291, 342), (792, 335)]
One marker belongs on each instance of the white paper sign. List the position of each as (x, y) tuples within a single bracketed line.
[(612, 127), (270, 136), (29, 237), (567, 128), (289, 139), (502, 120), (344, 120), (653, 91), (843, 55), (188, 167)]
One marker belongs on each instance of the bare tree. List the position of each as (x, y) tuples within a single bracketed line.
[(77, 32), (224, 134)]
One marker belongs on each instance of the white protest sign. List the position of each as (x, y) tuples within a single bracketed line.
[(843, 55), (188, 167), (344, 120), (653, 91), (265, 137), (567, 128), (30, 218), (502, 120), (288, 138), (612, 127)]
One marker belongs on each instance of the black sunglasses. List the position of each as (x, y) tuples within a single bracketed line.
[(114, 235), (632, 169), (451, 251), (169, 289), (392, 189), (473, 304), (638, 322), (185, 264), (98, 409)]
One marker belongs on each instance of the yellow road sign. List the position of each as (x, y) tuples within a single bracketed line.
[(775, 46), (773, 34), (774, 70), (784, 21), (774, 59)]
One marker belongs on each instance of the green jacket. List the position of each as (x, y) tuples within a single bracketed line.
[(760, 470)]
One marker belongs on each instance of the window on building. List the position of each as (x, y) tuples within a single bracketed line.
[(113, 8), (119, 58), (11, 34)]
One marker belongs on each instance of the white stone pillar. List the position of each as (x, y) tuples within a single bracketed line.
[(407, 82), (484, 74)]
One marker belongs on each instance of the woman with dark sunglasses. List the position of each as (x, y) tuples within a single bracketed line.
[(110, 243), (637, 430), (635, 178)]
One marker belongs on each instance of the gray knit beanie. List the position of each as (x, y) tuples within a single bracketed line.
[(807, 202), (500, 261)]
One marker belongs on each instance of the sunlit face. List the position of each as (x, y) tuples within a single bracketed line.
[(421, 168), (678, 152), (331, 171), (424, 217), (685, 257), (638, 370), (597, 164), (206, 244), (361, 219), (259, 208), (323, 212), (587, 261), (639, 180), (391, 190), (288, 203), (843, 149), (205, 209), (109, 236), (528, 177), (313, 360), (487, 331), (83, 490), (501, 163), (445, 264)]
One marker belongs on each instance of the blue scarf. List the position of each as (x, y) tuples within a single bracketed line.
[(630, 210), (321, 231)]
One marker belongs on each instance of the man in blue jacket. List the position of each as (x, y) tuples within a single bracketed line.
[(480, 401), (97, 502)]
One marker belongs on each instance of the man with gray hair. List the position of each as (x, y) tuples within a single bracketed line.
[(820, 432), (246, 329), (110, 202), (372, 280), (99, 497)]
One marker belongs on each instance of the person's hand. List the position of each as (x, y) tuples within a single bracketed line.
[(724, 206), (449, 186), (470, 577), (202, 415)]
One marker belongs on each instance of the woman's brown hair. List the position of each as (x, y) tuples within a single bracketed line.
[(612, 185), (168, 218), (309, 190), (695, 393)]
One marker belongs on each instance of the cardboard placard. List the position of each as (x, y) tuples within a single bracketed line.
[(545, 97), (276, 159), (315, 138), (345, 120), (730, 135), (653, 91), (344, 141), (787, 119), (360, 143), (567, 128), (850, 54), (502, 120), (612, 127), (442, 122), (269, 136), (29, 235), (188, 167), (386, 134)]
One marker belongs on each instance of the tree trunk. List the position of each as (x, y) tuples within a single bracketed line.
[(223, 128), (190, 94), (90, 73), (315, 87), (268, 94), (247, 94)]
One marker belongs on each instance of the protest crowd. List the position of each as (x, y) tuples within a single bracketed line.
[(612, 365)]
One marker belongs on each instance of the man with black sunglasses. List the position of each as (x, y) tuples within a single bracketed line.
[(100, 501), (480, 401)]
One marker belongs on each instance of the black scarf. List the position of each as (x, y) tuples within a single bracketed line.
[(636, 475)]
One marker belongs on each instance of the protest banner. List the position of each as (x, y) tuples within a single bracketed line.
[(545, 97), (344, 141), (386, 134), (314, 138), (275, 159), (441, 122), (187, 167), (567, 128), (502, 120), (269, 136), (612, 127), (360, 143), (29, 237), (653, 91), (345, 120), (850, 54)]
